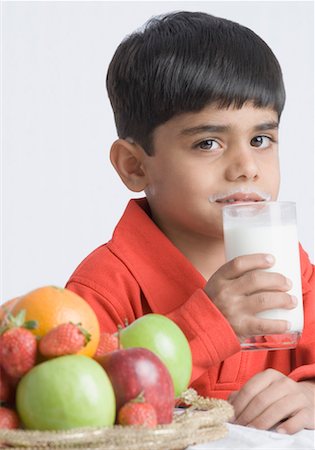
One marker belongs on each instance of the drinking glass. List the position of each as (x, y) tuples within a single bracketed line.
[(268, 227)]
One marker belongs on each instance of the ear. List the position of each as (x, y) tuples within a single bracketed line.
[(127, 157)]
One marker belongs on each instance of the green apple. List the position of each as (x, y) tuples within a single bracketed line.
[(66, 392), (164, 338)]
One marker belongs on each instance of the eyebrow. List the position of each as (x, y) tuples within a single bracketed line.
[(208, 128)]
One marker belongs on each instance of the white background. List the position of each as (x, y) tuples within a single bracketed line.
[(60, 196)]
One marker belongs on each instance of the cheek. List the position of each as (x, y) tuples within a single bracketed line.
[(170, 178), (273, 183), (162, 182), (271, 174)]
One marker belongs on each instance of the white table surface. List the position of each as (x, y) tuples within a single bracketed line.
[(242, 438)]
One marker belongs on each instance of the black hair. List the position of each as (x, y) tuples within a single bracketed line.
[(183, 61)]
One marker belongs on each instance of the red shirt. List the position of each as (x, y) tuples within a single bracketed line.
[(140, 271)]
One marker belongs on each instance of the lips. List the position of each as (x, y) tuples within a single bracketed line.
[(240, 194), (240, 198)]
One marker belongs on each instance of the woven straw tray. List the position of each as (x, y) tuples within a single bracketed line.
[(203, 421)]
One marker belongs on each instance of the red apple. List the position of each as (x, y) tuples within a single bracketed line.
[(135, 370), (164, 338)]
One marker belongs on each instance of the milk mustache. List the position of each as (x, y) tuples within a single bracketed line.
[(248, 235)]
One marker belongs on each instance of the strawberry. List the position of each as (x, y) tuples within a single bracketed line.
[(137, 412), (18, 345), (8, 418), (8, 387), (5, 388), (18, 348), (65, 339), (107, 343)]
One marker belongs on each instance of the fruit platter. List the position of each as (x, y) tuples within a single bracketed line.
[(66, 384)]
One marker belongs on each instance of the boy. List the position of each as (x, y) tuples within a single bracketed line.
[(197, 102)]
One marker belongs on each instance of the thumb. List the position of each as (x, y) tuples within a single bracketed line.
[(232, 396)]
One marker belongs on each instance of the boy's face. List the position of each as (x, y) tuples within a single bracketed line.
[(205, 159)]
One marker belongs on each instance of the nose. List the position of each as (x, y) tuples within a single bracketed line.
[(242, 165)]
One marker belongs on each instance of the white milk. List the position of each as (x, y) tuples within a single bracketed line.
[(281, 241)]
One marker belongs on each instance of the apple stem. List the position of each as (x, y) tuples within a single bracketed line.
[(119, 328)]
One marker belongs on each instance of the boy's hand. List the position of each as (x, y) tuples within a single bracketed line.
[(240, 289), (270, 398)]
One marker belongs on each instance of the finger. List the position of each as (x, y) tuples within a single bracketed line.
[(230, 399), (275, 413), (270, 300), (296, 423), (260, 411), (256, 326), (253, 387), (260, 280), (242, 264)]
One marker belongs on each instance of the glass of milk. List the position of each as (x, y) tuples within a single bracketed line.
[(268, 227)]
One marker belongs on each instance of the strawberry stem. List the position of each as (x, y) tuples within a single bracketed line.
[(18, 321), (30, 324), (139, 399), (85, 333)]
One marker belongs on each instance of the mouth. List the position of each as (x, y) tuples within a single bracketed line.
[(240, 198), (240, 195)]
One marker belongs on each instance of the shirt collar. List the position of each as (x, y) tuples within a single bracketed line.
[(166, 277)]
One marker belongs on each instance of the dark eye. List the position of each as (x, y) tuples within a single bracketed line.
[(208, 144), (261, 141)]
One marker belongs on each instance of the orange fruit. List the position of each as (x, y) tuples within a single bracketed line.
[(52, 306)]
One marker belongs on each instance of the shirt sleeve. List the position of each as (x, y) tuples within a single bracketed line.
[(304, 356), (109, 314), (210, 335)]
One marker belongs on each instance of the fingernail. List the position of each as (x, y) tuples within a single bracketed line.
[(289, 282), (270, 259), (281, 431), (294, 300)]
